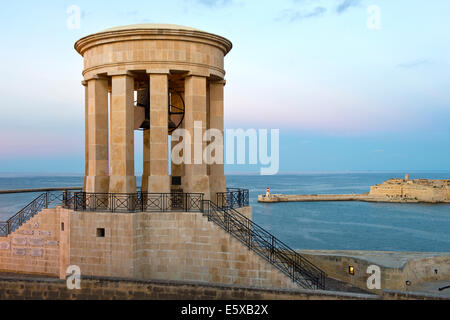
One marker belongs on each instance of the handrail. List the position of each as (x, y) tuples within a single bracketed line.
[(38, 190), (30, 210), (34, 207), (276, 252), (233, 198)]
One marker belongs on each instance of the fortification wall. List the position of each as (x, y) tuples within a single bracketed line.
[(427, 191), (416, 268), (384, 190)]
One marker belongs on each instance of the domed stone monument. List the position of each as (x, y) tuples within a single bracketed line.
[(176, 75)]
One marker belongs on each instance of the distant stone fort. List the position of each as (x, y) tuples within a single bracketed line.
[(392, 190), (421, 190)]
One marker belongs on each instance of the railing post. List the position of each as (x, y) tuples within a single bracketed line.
[(46, 200), (272, 248), (113, 202), (165, 197)]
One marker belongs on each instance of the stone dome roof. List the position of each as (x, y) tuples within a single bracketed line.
[(150, 26)]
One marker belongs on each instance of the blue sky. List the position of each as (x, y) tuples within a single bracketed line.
[(345, 97)]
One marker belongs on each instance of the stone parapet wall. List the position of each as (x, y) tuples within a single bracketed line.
[(13, 287)]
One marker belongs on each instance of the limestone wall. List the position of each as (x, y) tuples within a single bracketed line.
[(186, 246), (428, 269), (401, 267), (35, 247), (170, 245), (337, 267), (123, 289), (111, 255), (413, 190)]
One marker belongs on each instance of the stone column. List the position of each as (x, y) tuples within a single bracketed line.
[(86, 130), (195, 178), (177, 170), (146, 160), (217, 181), (142, 99), (158, 179), (122, 178), (97, 177)]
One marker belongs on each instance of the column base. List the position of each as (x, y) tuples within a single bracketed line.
[(158, 184), (96, 184), (217, 184), (122, 184), (197, 184)]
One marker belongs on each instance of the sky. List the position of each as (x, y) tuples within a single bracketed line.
[(348, 87)]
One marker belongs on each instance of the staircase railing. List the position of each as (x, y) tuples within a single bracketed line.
[(34, 207), (285, 259), (29, 211)]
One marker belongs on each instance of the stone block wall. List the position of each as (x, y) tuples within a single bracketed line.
[(337, 267), (428, 269), (35, 247), (111, 254), (187, 247)]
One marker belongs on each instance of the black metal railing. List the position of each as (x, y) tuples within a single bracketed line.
[(233, 198), (285, 259), (138, 202), (24, 215), (43, 201), (299, 269)]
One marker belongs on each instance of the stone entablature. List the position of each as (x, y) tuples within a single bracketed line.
[(153, 48), (423, 190)]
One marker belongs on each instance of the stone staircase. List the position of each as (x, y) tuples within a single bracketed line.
[(267, 246)]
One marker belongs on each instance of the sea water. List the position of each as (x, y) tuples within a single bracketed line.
[(310, 225)]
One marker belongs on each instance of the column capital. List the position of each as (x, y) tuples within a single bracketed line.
[(120, 73), (95, 77), (222, 81), (198, 74)]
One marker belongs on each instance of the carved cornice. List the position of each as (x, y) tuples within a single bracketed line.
[(152, 34)]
